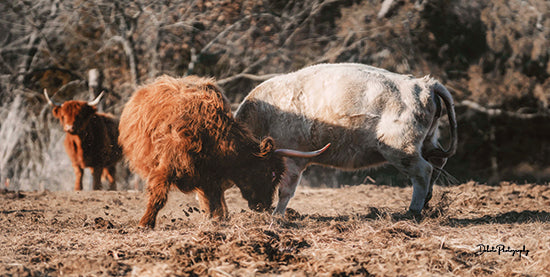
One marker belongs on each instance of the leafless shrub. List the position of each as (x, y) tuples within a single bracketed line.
[(31, 153), (12, 129)]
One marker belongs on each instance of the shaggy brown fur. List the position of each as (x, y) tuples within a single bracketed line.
[(90, 141), (180, 132)]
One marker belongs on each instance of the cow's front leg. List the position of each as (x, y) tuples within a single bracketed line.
[(78, 172), (288, 186), (96, 174), (212, 201)]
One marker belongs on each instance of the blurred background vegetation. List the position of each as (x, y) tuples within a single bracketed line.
[(492, 55)]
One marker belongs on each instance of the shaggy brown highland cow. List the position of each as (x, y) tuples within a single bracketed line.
[(180, 132), (90, 140)]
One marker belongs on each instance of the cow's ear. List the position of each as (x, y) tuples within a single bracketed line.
[(267, 146), (56, 111)]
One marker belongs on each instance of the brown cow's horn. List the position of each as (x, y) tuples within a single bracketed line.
[(96, 100), (53, 104), (300, 154)]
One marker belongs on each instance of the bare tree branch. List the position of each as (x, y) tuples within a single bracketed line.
[(385, 8), (157, 26), (498, 112), (230, 28), (72, 83), (8, 66), (247, 76), (24, 65), (17, 42), (328, 57), (222, 34), (178, 25), (317, 8), (129, 51)]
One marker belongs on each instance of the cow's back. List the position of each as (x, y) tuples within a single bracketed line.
[(166, 124)]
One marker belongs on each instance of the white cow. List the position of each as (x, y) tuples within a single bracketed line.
[(370, 115)]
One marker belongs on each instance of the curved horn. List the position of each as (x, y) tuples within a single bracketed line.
[(300, 154), (53, 104), (96, 100)]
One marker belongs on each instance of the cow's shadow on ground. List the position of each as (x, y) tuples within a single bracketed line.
[(511, 217), (373, 214), (502, 218)]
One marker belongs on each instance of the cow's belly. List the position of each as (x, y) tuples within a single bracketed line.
[(351, 148)]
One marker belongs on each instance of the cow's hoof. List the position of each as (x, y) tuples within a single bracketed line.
[(409, 215), (413, 215), (145, 227)]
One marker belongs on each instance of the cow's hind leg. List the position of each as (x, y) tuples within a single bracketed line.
[(436, 163), (419, 172), (110, 173), (96, 174), (433, 179), (420, 178), (158, 190), (288, 185)]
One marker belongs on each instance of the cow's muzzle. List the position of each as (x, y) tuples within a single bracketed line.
[(259, 207), (68, 129)]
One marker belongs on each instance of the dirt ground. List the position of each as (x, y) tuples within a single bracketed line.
[(329, 232)]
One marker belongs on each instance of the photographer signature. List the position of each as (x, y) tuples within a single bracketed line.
[(501, 248)]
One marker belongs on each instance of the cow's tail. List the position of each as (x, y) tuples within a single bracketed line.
[(445, 95)]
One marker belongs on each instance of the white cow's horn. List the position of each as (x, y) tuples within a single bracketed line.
[(301, 154), (53, 104), (96, 100)]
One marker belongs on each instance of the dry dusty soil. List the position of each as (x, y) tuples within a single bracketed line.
[(346, 231)]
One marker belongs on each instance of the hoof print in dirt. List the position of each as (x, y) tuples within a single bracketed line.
[(191, 210), (116, 254), (40, 258), (271, 234), (375, 213), (213, 236), (339, 227), (292, 214), (11, 194), (100, 223)]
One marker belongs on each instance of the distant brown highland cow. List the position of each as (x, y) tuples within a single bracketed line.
[(180, 132), (90, 140)]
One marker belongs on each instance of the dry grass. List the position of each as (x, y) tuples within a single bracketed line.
[(330, 232)]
